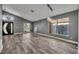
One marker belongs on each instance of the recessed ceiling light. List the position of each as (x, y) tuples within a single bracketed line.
[(31, 10)]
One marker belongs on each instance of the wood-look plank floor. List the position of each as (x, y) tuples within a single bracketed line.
[(29, 43)]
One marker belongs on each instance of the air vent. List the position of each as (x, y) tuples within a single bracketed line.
[(49, 7)]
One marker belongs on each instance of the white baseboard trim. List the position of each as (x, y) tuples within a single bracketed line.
[(21, 33), (66, 40), (18, 33)]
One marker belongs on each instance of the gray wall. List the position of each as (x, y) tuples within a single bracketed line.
[(1, 46), (0, 22), (78, 28), (73, 25), (18, 22), (42, 26)]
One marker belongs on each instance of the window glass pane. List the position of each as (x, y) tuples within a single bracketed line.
[(62, 28), (8, 17)]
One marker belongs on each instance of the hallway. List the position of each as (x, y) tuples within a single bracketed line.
[(29, 43)]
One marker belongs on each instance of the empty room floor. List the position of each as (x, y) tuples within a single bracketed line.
[(29, 43)]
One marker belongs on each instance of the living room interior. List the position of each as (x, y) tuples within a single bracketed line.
[(39, 28)]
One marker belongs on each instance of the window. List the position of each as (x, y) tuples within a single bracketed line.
[(63, 26), (60, 26), (8, 17)]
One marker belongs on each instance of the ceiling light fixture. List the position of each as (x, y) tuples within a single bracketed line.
[(32, 10), (49, 7)]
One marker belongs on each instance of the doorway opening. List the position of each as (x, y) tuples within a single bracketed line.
[(27, 27)]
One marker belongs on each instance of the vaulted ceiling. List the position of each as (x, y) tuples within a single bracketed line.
[(35, 12)]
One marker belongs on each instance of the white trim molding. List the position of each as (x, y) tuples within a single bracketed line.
[(66, 40)]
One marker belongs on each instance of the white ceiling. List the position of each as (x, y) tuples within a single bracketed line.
[(40, 10)]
